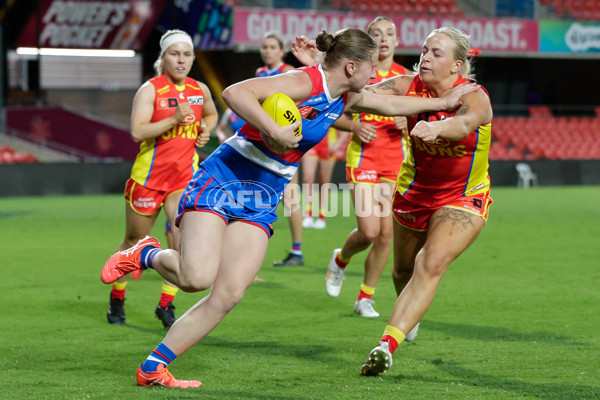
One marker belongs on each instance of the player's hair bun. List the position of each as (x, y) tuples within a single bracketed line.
[(324, 41)]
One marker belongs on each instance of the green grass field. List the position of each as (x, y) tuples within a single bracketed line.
[(515, 317)]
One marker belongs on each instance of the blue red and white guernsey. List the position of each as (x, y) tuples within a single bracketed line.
[(235, 122), (168, 162), (243, 165), (264, 71), (433, 174)]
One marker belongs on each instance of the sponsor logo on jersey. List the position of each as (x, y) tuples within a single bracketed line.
[(167, 102), (439, 142), (196, 100), (309, 113), (189, 119)]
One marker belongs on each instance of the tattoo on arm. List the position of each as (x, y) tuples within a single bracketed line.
[(463, 109), (388, 85)]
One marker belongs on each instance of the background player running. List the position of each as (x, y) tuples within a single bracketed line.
[(172, 115)]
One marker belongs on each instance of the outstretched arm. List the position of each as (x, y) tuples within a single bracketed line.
[(475, 110), (369, 101)]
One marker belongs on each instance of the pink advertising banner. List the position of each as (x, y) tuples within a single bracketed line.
[(497, 35), (110, 24)]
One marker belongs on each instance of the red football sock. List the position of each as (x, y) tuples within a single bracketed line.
[(167, 295), (117, 294), (366, 292), (339, 262)]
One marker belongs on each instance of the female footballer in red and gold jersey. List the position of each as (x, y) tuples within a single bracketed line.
[(172, 115), (442, 196), (373, 160)]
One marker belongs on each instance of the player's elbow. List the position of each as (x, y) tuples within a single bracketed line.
[(228, 95), (136, 136)]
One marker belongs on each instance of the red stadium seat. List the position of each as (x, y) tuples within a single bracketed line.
[(540, 111), (6, 149), (559, 7), (336, 4), (547, 137)]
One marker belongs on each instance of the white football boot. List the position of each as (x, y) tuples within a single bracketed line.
[(307, 222), (364, 308), (378, 361), (413, 333), (319, 224), (335, 276)]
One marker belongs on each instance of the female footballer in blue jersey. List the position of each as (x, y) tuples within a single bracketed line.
[(227, 210)]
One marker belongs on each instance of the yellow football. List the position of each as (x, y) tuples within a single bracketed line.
[(284, 111)]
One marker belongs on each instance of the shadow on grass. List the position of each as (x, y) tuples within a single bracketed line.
[(318, 353), (463, 376), (15, 214), (310, 269), (230, 394), (494, 333), (205, 393), (95, 310)]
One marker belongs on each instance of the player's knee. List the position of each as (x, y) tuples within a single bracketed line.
[(229, 299), (195, 281), (193, 285), (384, 239), (431, 265), (369, 233)]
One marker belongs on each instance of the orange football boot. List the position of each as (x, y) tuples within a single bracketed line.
[(162, 377), (126, 261), (137, 274)]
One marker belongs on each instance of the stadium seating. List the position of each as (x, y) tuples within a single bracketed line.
[(401, 7), (581, 10), (9, 156), (543, 136)]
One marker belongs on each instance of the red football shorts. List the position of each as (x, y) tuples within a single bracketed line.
[(143, 200), (359, 175), (415, 216)]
